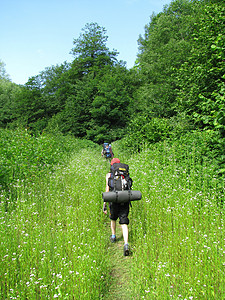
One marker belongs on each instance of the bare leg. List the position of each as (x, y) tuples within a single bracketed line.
[(125, 233), (113, 227)]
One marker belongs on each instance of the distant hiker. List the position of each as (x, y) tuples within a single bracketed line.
[(117, 210), (107, 151)]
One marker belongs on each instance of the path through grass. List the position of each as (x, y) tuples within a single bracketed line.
[(55, 241), (55, 238), (120, 279)]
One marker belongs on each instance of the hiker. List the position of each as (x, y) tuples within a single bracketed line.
[(117, 210), (107, 151)]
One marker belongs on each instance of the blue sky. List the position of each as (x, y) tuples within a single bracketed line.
[(38, 34)]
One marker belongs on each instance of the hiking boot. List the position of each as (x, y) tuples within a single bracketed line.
[(112, 239), (126, 250)]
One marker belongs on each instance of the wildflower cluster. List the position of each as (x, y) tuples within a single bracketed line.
[(177, 228), (52, 241)]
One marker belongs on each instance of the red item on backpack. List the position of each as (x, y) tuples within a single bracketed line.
[(115, 161)]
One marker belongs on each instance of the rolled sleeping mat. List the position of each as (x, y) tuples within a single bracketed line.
[(121, 196)]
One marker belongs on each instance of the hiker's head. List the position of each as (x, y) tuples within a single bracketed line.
[(115, 161)]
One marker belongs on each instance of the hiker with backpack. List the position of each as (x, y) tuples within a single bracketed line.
[(118, 180), (107, 151)]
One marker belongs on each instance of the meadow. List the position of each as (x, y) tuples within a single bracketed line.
[(55, 238), (53, 231), (178, 227)]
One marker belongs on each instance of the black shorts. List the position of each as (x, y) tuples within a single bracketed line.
[(119, 210)]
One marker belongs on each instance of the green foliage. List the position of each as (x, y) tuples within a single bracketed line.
[(29, 107), (144, 133), (54, 234), (3, 73), (51, 227), (162, 50), (142, 130), (56, 88), (219, 115), (88, 98), (177, 83), (8, 95), (53, 241), (90, 50), (111, 107), (176, 222), (201, 78), (41, 98), (23, 156), (75, 116)]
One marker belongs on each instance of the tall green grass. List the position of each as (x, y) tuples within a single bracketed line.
[(54, 236), (53, 239), (23, 156), (177, 229)]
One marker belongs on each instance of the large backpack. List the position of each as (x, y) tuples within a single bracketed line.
[(119, 179)]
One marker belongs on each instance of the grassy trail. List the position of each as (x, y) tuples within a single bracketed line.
[(120, 283), (55, 237), (119, 287)]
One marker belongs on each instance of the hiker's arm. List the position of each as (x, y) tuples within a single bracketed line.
[(107, 190), (107, 185)]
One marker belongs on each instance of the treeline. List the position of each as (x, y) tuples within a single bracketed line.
[(176, 85)]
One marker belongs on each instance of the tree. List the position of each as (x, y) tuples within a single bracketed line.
[(97, 84), (55, 88), (162, 50), (8, 95), (72, 97), (75, 117), (29, 109), (3, 74), (201, 77), (111, 107), (90, 50)]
